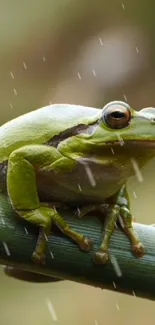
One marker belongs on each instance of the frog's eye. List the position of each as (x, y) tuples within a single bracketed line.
[(116, 115)]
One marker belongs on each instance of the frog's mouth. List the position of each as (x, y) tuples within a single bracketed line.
[(126, 143), (135, 143)]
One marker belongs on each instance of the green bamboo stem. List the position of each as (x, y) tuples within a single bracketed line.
[(123, 273)]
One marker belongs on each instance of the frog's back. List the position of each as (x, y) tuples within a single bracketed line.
[(43, 124)]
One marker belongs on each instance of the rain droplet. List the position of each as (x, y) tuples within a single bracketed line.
[(51, 310), (121, 141), (117, 307), (134, 294), (112, 150), (137, 170), (44, 59), (123, 6), (79, 76), (94, 73), (137, 50), (121, 222), (116, 225), (90, 175), (52, 255), (15, 91), (25, 66), (114, 284), (3, 222), (11, 106), (100, 40), (125, 97), (6, 248), (134, 194), (96, 322), (79, 188), (116, 266), (79, 212), (10, 226), (12, 75), (26, 230)]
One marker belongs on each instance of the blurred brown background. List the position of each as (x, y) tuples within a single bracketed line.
[(83, 52)]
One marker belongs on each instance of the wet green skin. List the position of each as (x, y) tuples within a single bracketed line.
[(38, 172)]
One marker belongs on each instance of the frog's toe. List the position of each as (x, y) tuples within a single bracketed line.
[(38, 258), (86, 244), (101, 257), (138, 250)]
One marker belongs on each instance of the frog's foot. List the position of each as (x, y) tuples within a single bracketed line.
[(85, 244), (38, 258), (138, 249), (101, 257)]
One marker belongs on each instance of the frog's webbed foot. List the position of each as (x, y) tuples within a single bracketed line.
[(46, 217), (101, 257), (86, 244), (138, 249), (38, 258)]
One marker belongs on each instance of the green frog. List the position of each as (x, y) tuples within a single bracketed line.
[(78, 156)]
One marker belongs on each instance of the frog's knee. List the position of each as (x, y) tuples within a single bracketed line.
[(15, 156), (40, 216)]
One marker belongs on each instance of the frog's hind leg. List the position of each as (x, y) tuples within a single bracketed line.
[(101, 256), (22, 190), (111, 215), (125, 220), (126, 225), (119, 211)]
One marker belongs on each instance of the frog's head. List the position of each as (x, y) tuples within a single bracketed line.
[(125, 131), (119, 122)]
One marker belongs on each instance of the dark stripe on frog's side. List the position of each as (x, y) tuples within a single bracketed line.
[(52, 142), (75, 130)]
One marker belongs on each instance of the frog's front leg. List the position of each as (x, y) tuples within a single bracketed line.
[(119, 211), (22, 190)]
